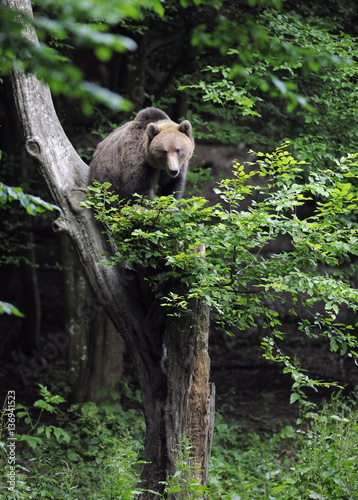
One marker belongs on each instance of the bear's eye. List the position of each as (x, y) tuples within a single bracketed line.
[(178, 151), (164, 152)]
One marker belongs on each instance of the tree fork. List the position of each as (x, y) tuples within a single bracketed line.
[(177, 400)]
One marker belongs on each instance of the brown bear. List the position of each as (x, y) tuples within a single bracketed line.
[(147, 152)]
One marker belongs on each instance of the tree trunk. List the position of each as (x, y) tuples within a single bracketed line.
[(168, 351), (132, 80), (31, 303), (12, 143), (94, 355)]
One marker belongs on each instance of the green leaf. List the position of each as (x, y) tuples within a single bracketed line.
[(280, 85), (32, 441), (72, 456), (158, 7), (294, 397), (45, 406), (61, 435), (7, 308)]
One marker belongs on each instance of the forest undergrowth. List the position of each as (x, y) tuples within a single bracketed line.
[(87, 451)]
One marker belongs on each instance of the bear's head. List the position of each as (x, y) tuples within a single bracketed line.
[(170, 146)]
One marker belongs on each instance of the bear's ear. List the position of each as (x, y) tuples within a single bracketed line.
[(185, 127), (152, 130)]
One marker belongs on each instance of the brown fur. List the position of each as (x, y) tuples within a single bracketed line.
[(151, 150)]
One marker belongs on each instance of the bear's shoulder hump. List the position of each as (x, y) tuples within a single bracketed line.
[(149, 115)]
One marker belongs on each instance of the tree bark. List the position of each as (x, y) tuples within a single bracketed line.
[(168, 352), (31, 303), (94, 355)]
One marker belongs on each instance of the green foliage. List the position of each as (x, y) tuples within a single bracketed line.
[(241, 276), (328, 459), (7, 308), (47, 403), (257, 54), (81, 452), (89, 454), (73, 23), (32, 204), (328, 131), (314, 461), (196, 179), (281, 74), (122, 477), (223, 91), (183, 483)]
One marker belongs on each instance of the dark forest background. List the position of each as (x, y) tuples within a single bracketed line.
[(249, 76)]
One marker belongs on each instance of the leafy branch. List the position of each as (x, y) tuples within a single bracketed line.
[(244, 275)]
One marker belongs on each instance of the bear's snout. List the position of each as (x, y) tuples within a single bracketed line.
[(173, 172), (173, 168)]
